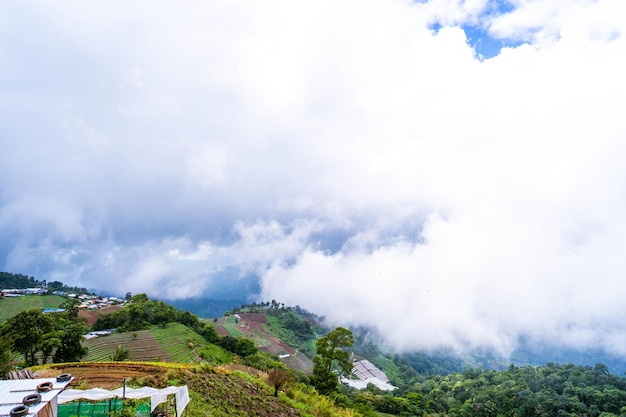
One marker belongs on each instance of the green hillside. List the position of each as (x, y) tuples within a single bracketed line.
[(213, 391), (10, 306), (428, 386), (171, 343)]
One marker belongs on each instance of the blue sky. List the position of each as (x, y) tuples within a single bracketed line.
[(476, 26), (454, 165)]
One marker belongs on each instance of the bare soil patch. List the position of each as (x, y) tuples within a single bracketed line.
[(92, 315), (101, 375), (254, 325)]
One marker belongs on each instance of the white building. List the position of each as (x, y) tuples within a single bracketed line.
[(367, 373)]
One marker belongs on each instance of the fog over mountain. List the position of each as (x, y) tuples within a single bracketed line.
[(448, 172)]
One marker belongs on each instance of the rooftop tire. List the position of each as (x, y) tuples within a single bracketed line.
[(32, 399), (64, 377), (19, 411), (44, 387)]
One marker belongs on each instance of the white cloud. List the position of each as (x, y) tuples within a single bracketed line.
[(364, 166)]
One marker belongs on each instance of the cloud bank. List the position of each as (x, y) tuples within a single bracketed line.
[(361, 159)]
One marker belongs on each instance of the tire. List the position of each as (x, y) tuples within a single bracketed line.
[(32, 399), (44, 387), (159, 412), (19, 411), (64, 377)]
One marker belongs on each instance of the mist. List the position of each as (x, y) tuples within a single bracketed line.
[(359, 159)]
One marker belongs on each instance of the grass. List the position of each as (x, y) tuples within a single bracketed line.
[(179, 341), (387, 366), (172, 343), (11, 306), (309, 403), (142, 346), (274, 327), (231, 327), (215, 355)]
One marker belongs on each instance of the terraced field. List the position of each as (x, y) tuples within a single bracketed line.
[(142, 346), (179, 341), (172, 343)]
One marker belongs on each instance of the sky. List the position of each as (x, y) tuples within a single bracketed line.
[(447, 173)]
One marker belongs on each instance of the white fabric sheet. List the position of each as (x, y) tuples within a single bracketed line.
[(157, 396)]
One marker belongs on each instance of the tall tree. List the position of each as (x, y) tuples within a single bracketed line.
[(330, 349), (329, 353), (70, 348)]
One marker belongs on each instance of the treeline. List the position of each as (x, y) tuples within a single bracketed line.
[(9, 280), (267, 306), (550, 390), (39, 337), (290, 327), (59, 286), (141, 313)]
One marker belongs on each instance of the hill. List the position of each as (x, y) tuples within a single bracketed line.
[(158, 332), (10, 306), (213, 391), (256, 327), (174, 342), (91, 316)]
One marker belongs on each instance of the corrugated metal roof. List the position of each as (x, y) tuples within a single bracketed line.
[(12, 393), (365, 369)]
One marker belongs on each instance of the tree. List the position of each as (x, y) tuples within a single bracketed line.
[(25, 332), (55, 286), (49, 343), (7, 360), (139, 298), (209, 333), (121, 354), (245, 347), (329, 349), (323, 380), (329, 352), (70, 348), (71, 306), (277, 378)]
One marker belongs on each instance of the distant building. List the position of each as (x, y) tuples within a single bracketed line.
[(99, 333), (367, 373), (53, 310)]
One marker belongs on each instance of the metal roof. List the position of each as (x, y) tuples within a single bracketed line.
[(12, 393), (365, 369)]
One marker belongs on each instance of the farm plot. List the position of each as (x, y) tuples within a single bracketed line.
[(142, 346), (102, 375), (92, 315), (230, 326), (179, 341), (11, 306)]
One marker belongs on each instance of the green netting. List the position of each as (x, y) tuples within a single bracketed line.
[(104, 408)]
